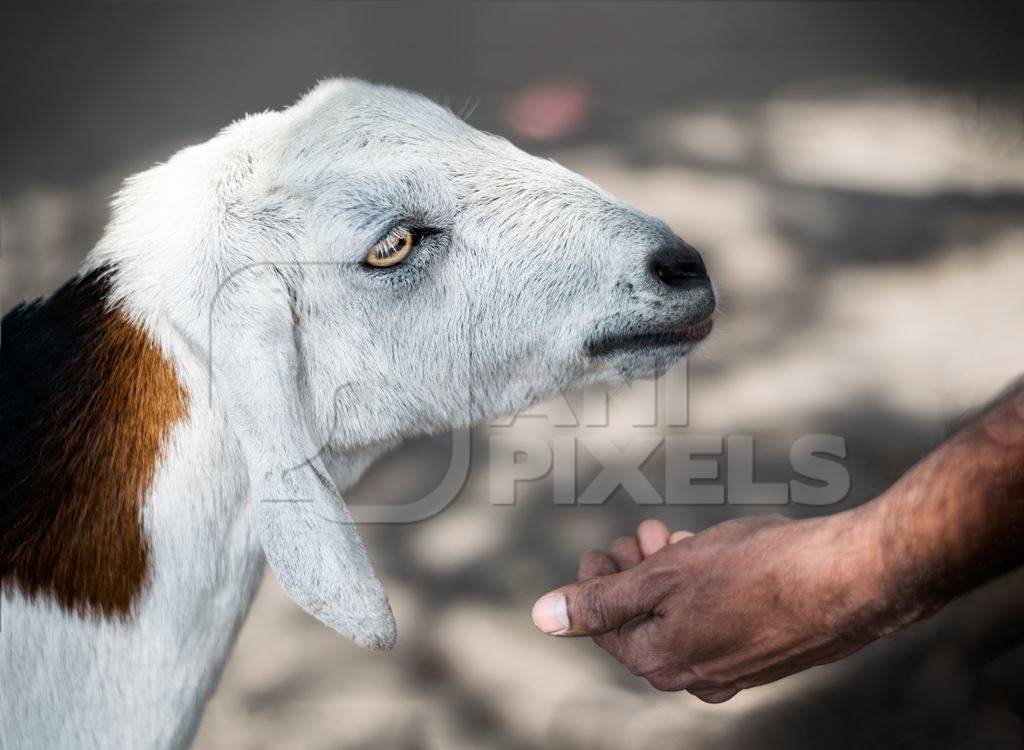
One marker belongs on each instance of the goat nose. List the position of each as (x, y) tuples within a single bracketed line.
[(677, 265)]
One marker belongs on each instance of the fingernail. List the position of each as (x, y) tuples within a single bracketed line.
[(551, 614)]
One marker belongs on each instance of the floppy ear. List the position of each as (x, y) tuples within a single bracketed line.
[(306, 531)]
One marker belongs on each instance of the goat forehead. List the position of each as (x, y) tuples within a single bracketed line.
[(360, 123), (350, 114), (376, 142)]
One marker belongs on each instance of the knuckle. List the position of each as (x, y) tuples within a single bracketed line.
[(713, 676), (606, 642), (639, 657), (647, 666), (635, 667), (610, 647), (626, 547), (591, 611), (702, 673), (715, 696), (595, 562), (659, 580), (623, 542), (667, 684), (670, 679)]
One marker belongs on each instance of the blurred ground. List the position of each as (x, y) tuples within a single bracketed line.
[(854, 175)]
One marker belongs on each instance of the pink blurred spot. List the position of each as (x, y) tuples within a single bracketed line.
[(546, 111)]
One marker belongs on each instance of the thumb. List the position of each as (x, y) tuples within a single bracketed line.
[(600, 604)]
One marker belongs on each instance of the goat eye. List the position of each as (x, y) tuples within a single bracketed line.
[(392, 251)]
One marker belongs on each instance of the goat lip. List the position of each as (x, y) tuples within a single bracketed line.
[(685, 337), (698, 331)]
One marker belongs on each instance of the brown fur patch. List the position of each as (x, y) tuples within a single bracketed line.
[(89, 443)]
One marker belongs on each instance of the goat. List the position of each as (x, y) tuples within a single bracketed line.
[(168, 413)]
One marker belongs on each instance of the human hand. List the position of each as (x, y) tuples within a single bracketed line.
[(743, 603)]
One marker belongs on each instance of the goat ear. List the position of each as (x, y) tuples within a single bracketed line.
[(306, 531)]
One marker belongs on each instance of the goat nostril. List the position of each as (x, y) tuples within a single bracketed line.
[(678, 265), (676, 275)]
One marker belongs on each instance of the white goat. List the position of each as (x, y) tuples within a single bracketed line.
[(169, 414)]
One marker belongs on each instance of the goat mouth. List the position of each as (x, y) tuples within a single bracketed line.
[(685, 337)]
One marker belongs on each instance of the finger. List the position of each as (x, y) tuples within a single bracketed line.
[(633, 645), (599, 605), (610, 642), (596, 563), (678, 536), (626, 552), (715, 696), (652, 536), (671, 679)]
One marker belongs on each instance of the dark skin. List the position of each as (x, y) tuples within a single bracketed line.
[(752, 600)]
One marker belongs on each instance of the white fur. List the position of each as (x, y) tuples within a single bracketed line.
[(241, 257)]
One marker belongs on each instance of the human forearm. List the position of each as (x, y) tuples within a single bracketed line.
[(957, 517)]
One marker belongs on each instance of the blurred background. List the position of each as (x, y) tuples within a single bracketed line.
[(853, 174)]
